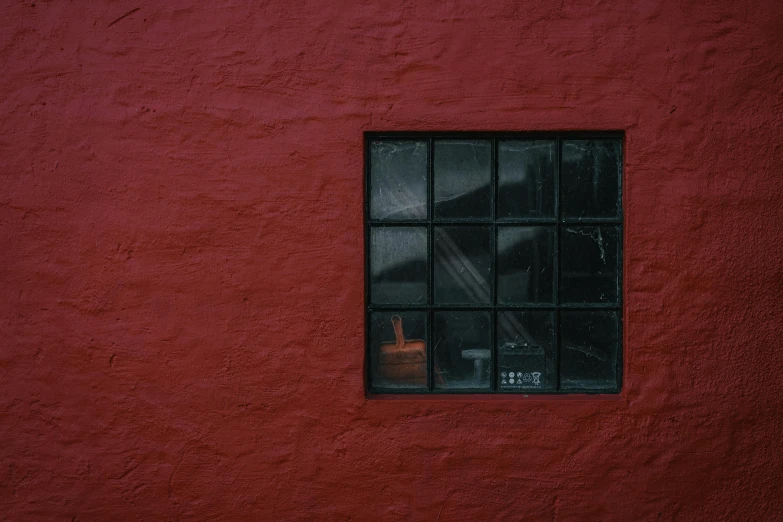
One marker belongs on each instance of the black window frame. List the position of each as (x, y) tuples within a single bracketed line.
[(558, 222)]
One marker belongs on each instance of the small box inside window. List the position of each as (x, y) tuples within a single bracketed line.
[(522, 366)]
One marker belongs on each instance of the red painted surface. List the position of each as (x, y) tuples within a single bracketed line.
[(181, 260)]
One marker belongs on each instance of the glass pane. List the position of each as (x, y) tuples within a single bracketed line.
[(462, 170), (589, 184), (526, 179), (463, 258), (526, 343), (589, 258), (398, 349), (398, 265), (463, 350), (588, 350), (525, 271), (398, 180)]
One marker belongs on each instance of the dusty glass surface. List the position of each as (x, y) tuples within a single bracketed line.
[(589, 265), (398, 179), (588, 350), (463, 349), (525, 264), (589, 183), (398, 265), (462, 179), (463, 264), (398, 359), (526, 346), (526, 178)]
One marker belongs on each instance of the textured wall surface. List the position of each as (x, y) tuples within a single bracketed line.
[(181, 260)]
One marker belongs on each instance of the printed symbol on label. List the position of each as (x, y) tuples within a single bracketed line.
[(503, 381), (511, 375), (503, 374), (511, 381), (536, 378), (527, 377)]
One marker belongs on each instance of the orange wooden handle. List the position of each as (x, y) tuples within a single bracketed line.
[(399, 337)]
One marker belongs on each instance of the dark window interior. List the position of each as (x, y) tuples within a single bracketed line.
[(494, 262)]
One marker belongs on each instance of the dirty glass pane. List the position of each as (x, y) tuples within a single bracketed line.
[(589, 261), (588, 350), (398, 180), (590, 179), (525, 264), (526, 341), (462, 176), (526, 179), (398, 349), (463, 349), (398, 265), (463, 260)]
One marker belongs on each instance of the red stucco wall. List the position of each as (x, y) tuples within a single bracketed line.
[(181, 260)]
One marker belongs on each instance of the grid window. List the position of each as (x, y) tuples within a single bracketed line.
[(494, 263)]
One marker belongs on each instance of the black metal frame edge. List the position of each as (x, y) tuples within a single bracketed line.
[(496, 135)]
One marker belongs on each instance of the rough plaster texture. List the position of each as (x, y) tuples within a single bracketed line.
[(181, 260)]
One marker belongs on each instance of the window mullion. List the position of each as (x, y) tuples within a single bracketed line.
[(494, 315), (556, 265), (430, 266)]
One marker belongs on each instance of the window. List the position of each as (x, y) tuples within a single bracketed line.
[(493, 263)]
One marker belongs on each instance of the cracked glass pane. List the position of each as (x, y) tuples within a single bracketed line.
[(526, 341), (589, 258), (398, 180), (463, 350), (588, 350), (526, 178), (589, 183), (398, 349), (462, 175), (398, 265), (525, 259), (463, 263)]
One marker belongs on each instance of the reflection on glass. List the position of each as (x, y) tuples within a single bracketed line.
[(588, 350), (589, 265), (398, 180), (526, 179), (463, 350), (525, 342), (398, 265), (398, 349), (462, 171), (463, 258), (525, 271), (589, 183)]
